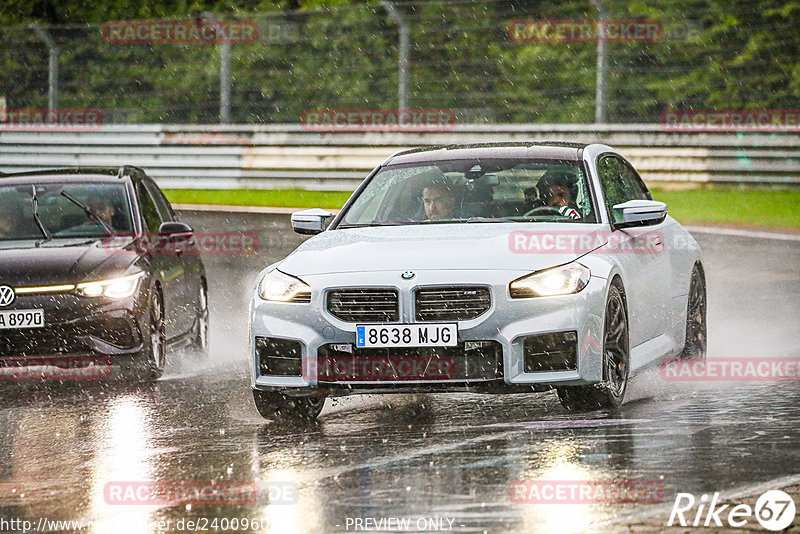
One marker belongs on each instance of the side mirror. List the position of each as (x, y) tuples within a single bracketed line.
[(309, 221), (174, 229), (639, 213)]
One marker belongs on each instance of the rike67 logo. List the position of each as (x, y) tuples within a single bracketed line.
[(774, 510)]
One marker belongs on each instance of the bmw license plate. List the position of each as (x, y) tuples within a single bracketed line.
[(406, 335), (13, 319)]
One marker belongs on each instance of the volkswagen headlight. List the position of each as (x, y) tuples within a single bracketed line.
[(115, 288)]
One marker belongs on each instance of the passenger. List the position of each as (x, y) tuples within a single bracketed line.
[(558, 189), (11, 219)]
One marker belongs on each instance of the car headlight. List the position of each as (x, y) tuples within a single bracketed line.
[(116, 288), (562, 280), (284, 288)]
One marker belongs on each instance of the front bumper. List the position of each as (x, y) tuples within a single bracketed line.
[(508, 322), (76, 326)]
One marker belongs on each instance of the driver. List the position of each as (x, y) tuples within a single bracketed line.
[(439, 200), (105, 211), (532, 199), (558, 189), (102, 207)]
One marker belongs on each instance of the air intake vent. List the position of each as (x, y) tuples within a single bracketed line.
[(452, 303), (364, 305)]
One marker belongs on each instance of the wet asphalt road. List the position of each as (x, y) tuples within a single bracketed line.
[(446, 460)]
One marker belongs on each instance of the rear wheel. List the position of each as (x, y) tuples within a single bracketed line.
[(616, 362), (696, 341), (273, 405)]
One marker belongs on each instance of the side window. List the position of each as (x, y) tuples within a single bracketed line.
[(620, 183), (150, 214), (162, 205), (638, 188)]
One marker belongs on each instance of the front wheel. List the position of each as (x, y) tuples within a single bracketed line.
[(201, 338), (150, 364), (696, 342), (616, 362), (273, 405)]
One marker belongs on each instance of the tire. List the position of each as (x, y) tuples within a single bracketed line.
[(201, 338), (616, 361), (273, 405), (696, 342), (150, 364)]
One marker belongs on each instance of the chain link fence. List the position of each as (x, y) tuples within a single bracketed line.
[(489, 62)]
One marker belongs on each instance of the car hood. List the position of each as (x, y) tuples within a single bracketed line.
[(63, 262), (466, 246)]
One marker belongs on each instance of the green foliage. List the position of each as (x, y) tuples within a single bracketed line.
[(747, 206), (313, 54), (287, 198)]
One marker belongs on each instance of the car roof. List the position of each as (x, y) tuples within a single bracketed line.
[(74, 174), (533, 150)]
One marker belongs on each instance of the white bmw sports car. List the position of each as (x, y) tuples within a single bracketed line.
[(503, 268)]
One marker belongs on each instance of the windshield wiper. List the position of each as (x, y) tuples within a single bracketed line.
[(367, 225), (488, 220), (89, 212), (35, 207)]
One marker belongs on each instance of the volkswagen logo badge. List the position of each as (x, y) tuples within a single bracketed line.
[(7, 296), (408, 275)]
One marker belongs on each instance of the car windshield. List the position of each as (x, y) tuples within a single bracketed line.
[(467, 191), (65, 211)]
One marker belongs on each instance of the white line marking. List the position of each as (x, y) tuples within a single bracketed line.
[(743, 233), (433, 450), (561, 423)]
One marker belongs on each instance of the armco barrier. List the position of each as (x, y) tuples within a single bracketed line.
[(282, 156)]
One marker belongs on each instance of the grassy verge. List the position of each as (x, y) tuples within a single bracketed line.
[(760, 207), (288, 198)]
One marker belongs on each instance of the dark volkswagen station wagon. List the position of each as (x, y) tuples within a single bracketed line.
[(94, 265)]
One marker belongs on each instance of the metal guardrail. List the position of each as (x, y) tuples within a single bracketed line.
[(286, 156)]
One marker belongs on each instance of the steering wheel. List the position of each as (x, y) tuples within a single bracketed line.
[(543, 210)]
